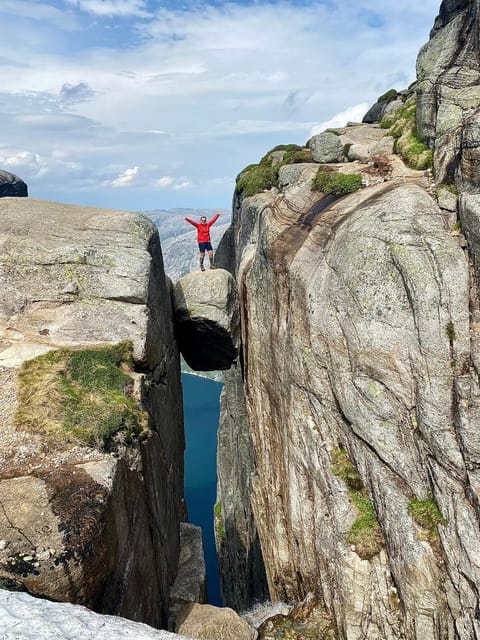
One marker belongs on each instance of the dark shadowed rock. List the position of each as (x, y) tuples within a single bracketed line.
[(207, 319), (12, 186)]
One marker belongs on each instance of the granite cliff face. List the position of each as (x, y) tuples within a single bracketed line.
[(359, 319), (91, 520)]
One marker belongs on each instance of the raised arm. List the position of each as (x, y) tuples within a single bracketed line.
[(214, 219), (195, 224)]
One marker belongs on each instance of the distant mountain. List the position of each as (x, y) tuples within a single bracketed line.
[(179, 246)]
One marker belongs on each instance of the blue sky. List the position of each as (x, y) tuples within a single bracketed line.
[(139, 104)]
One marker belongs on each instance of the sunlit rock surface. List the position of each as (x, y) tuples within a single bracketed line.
[(23, 617), (81, 523), (207, 319)]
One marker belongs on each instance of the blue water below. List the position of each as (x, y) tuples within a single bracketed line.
[(201, 411)]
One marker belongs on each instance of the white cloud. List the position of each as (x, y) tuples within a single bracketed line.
[(185, 184), (351, 114), (112, 7), (165, 181), (198, 91), (126, 178)]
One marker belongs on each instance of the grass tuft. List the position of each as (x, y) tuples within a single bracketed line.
[(80, 395), (427, 515), (219, 525), (365, 532), (402, 126), (333, 183)]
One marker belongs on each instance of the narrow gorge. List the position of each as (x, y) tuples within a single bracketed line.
[(345, 315)]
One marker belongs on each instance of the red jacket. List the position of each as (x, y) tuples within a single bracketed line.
[(203, 228)]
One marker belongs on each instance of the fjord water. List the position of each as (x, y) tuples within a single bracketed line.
[(201, 411)]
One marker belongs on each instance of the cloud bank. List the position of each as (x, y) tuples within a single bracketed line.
[(128, 103)]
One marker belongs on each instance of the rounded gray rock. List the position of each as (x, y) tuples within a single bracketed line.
[(326, 147)]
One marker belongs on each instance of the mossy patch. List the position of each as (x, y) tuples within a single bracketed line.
[(333, 183), (256, 178), (388, 96), (402, 126), (80, 395), (427, 515), (219, 525), (365, 532)]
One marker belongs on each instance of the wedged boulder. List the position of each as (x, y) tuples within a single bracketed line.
[(205, 622), (207, 319), (12, 186), (326, 147), (91, 447)]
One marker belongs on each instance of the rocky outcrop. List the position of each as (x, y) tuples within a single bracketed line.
[(207, 319), (384, 107), (206, 622), (359, 331), (448, 90), (22, 616), (190, 585), (12, 186), (242, 574), (99, 518)]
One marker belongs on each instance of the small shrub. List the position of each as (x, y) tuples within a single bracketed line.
[(334, 131), (79, 395), (457, 226), (333, 183), (346, 149), (297, 156), (450, 331), (427, 515), (388, 96)]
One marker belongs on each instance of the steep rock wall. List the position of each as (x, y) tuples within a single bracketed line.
[(97, 526), (362, 399)]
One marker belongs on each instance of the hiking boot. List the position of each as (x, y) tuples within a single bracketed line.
[(212, 266), (202, 268)]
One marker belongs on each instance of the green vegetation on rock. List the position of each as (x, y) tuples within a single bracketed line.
[(263, 176), (403, 127), (334, 183), (80, 395), (365, 532), (427, 515), (219, 526), (388, 96), (450, 331)]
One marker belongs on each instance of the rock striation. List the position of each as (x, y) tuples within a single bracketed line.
[(12, 186), (359, 320), (94, 523), (448, 90)]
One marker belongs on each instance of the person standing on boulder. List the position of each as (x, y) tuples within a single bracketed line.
[(203, 238)]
